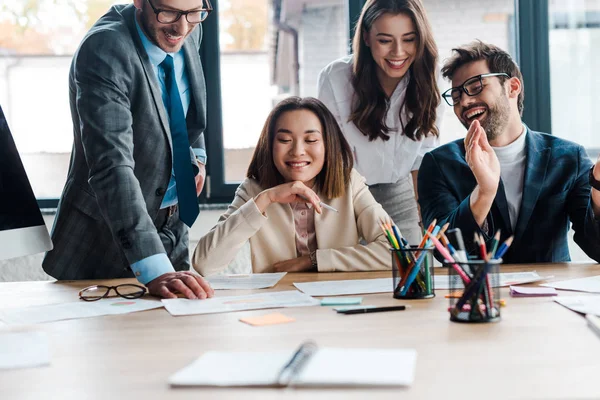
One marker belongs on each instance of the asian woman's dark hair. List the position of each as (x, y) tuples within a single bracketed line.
[(333, 179)]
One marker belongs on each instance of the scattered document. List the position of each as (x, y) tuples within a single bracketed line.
[(590, 284), (79, 309), (269, 319), (245, 281), (535, 291), (504, 279), (581, 304), (290, 298), (325, 367), (339, 288), (23, 350)]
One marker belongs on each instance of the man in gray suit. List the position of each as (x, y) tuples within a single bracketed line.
[(138, 104)]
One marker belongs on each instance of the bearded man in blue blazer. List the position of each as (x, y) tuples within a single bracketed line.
[(503, 175)]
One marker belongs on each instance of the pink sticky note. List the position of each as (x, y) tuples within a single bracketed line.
[(532, 291)]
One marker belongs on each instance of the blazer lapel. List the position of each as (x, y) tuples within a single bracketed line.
[(194, 71), (129, 16), (533, 180), (501, 204)]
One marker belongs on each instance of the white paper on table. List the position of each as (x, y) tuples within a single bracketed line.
[(245, 281), (74, 310), (504, 279), (23, 350), (590, 284), (327, 367), (581, 304), (339, 288), (290, 298)]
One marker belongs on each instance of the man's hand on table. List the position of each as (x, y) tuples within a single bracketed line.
[(192, 286)]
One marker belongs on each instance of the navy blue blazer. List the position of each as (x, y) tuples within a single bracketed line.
[(556, 191)]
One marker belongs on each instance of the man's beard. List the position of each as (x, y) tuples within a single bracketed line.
[(497, 117)]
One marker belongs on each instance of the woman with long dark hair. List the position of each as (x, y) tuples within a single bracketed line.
[(301, 162), (385, 98)]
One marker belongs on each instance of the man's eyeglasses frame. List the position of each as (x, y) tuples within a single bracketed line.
[(87, 294), (203, 13), (447, 95)]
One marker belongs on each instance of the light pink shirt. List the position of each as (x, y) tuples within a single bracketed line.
[(304, 220)]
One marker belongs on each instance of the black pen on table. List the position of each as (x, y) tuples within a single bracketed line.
[(372, 310)]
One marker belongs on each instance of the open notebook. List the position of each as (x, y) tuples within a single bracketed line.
[(307, 366)]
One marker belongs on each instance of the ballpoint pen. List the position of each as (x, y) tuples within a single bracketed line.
[(327, 206), (372, 310)]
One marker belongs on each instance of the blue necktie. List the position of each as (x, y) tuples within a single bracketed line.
[(182, 164)]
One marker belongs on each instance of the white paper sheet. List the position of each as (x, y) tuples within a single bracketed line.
[(290, 298), (339, 288), (582, 304), (590, 284), (23, 350), (80, 309), (327, 367), (505, 279), (245, 281)]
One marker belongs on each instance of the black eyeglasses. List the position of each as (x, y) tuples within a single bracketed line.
[(471, 87), (171, 16), (126, 290)]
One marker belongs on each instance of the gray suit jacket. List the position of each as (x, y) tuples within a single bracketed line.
[(122, 153)]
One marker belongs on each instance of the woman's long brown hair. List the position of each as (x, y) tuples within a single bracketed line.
[(370, 103)]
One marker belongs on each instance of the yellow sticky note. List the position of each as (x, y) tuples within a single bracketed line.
[(268, 319)]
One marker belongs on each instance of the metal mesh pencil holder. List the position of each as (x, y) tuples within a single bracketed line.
[(412, 270), (474, 291)]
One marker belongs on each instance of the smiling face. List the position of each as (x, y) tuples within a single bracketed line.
[(169, 37), (298, 147), (393, 43), (491, 107)]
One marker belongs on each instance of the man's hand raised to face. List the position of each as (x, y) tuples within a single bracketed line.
[(482, 160)]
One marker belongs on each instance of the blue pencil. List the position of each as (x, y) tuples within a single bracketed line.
[(504, 248)]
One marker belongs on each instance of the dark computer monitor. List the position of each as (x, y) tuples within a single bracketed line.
[(22, 228)]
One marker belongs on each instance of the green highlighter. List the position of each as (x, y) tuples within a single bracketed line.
[(341, 301)]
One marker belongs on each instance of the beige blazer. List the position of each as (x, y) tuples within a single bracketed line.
[(272, 234)]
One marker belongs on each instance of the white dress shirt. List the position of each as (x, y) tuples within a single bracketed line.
[(512, 171), (378, 161)]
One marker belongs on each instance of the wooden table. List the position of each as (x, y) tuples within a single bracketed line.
[(539, 350)]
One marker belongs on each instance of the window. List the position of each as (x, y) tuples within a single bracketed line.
[(37, 40), (574, 29)]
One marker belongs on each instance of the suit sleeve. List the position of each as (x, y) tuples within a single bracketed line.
[(103, 81), (438, 201), (218, 248), (581, 213), (362, 257)]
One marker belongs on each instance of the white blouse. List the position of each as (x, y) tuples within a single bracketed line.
[(378, 161)]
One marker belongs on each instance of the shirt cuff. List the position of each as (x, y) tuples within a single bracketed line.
[(149, 268), (200, 155)]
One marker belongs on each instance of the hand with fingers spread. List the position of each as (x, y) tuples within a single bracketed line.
[(300, 264), (485, 166), (290, 192), (191, 285)]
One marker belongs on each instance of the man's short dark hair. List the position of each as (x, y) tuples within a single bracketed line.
[(497, 59)]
